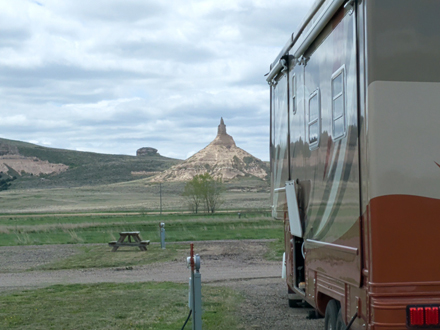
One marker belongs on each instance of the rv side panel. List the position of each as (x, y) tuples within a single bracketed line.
[(332, 226), (402, 146)]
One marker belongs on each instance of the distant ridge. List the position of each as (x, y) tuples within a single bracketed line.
[(221, 158), (41, 167)]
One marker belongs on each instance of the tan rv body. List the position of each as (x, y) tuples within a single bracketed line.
[(355, 160)]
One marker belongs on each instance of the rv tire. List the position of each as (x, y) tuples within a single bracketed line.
[(331, 315), (340, 324)]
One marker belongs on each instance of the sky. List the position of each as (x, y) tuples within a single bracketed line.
[(113, 76)]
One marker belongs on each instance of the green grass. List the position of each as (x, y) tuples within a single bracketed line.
[(134, 216), (158, 306), (50, 230), (275, 250)]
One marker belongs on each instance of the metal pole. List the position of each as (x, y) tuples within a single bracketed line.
[(195, 290), (197, 310), (160, 193), (162, 234)]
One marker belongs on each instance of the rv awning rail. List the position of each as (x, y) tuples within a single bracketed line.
[(321, 13)]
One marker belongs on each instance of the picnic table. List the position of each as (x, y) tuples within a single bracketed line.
[(133, 239)]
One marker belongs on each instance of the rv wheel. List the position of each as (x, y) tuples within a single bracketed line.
[(340, 324), (331, 315)]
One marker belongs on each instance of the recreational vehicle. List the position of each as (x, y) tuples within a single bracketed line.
[(355, 162)]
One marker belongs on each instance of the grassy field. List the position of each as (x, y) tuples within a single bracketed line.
[(27, 230), (138, 195), (157, 306), (100, 229)]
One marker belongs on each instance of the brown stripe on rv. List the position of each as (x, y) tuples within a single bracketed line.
[(404, 239)]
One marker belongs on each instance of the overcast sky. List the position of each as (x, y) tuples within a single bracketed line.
[(112, 76)]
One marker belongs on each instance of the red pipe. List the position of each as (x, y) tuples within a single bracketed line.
[(192, 257)]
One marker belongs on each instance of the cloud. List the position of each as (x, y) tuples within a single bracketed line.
[(111, 11), (114, 76)]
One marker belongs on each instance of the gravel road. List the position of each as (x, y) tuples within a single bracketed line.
[(235, 264)]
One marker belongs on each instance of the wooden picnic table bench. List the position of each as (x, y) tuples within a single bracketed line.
[(133, 239)]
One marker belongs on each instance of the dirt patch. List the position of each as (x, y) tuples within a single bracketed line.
[(22, 258), (236, 264), (265, 306)]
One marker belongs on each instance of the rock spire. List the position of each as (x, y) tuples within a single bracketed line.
[(223, 138), (221, 127)]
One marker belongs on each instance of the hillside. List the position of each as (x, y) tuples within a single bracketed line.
[(42, 167)]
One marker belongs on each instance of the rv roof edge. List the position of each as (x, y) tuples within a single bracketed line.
[(273, 72), (312, 11), (275, 67), (326, 14), (284, 51)]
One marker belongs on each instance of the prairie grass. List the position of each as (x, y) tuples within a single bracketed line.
[(4, 230), (23, 239), (158, 306), (138, 195), (102, 229), (275, 250), (74, 238), (112, 237)]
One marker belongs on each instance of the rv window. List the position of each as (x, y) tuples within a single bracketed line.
[(338, 104), (314, 119), (294, 94)]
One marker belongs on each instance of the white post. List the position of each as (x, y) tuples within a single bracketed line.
[(162, 235)]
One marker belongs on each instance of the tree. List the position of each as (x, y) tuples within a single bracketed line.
[(5, 183), (192, 194), (212, 193), (204, 190)]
